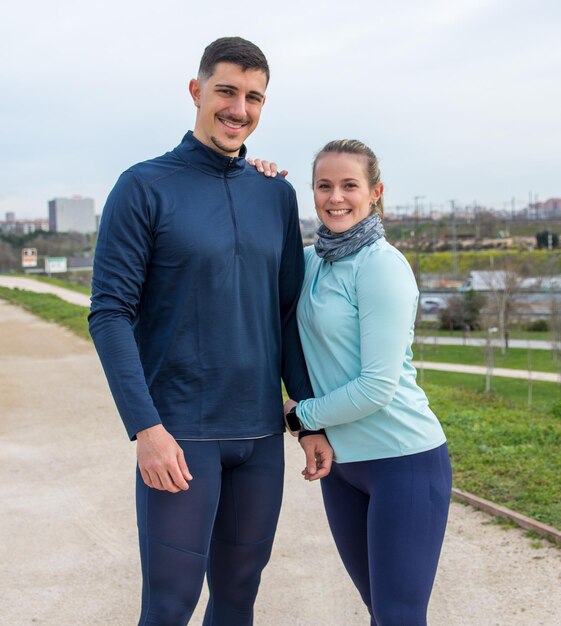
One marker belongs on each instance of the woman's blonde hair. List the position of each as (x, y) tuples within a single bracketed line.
[(353, 146)]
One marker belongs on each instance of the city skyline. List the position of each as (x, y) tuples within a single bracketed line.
[(458, 99)]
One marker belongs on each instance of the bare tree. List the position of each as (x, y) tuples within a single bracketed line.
[(489, 357), (530, 370), (555, 324), (504, 286)]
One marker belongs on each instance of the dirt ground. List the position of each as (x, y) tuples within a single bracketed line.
[(68, 553)]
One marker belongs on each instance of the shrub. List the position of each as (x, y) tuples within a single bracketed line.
[(537, 326)]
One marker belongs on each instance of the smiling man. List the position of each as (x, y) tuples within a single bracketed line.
[(197, 273)]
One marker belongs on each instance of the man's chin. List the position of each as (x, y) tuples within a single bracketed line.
[(226, 149)]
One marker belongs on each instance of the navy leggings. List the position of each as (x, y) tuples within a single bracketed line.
[(223, 526), (388, 518)]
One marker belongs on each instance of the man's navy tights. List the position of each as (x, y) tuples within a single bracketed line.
[(223, 526)]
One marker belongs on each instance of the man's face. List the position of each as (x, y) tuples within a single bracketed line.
[(229, 103)]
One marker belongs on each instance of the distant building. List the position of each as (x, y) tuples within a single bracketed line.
[(22, 227), (74, 214)]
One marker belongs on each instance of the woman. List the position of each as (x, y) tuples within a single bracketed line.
[(388, 492)]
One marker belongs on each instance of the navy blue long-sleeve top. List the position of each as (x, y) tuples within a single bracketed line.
[(197, 273)]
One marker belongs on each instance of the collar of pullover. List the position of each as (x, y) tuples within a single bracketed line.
[(203, 158)]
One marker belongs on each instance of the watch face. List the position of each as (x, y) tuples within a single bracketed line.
[(293, 421)]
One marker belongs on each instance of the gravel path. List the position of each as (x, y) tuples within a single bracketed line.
[(68, 553)]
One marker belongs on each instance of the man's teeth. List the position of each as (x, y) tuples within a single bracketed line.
[(339, 211), (231, 124)]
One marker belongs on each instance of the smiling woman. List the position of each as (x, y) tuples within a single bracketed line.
[(388, 492)]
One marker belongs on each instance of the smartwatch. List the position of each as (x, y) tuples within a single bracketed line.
[(293, 423)]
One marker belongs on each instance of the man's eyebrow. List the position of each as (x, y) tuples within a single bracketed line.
[(234, 88)]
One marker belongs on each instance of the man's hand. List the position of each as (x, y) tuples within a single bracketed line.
[(288, 405), (319, 456), (269, 168), (161, 461)]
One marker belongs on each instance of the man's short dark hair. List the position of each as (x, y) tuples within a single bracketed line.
[(232, 50)]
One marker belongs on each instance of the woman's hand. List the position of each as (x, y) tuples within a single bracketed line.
[(269, 168)]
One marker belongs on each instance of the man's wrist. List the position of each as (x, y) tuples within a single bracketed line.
[(146, 433)]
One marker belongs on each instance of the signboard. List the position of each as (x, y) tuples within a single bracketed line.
[(55, 264), (29, 257)]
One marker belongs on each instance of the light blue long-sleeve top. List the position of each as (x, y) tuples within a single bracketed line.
[(356, 320)]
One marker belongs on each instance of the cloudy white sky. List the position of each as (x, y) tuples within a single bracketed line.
[(459, 98)]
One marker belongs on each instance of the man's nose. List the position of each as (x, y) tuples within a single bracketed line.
[(237, 108)]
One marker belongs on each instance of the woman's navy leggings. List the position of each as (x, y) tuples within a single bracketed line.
[(388, 518), (223, 526)]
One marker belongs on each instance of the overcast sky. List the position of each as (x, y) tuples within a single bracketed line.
[(460, 99)]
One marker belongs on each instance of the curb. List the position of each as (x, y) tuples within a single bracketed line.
[(500, 511)]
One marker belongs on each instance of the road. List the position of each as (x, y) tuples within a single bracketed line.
[(69, 555)]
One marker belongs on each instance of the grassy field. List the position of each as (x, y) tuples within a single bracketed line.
[(50, 308), (513, 391), (501, 452), (514, 358)]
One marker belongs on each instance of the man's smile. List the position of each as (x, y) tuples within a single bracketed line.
[(232, 124)]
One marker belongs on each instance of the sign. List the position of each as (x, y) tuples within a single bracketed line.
[(29, 257), (55, 264)]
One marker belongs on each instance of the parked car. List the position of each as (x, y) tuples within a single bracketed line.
[(432, 304)]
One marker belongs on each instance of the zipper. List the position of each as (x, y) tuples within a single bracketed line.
[(232, 210)]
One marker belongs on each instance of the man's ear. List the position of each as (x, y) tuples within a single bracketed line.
[(195, 91)]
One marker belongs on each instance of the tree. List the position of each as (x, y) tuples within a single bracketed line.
[(8, 258), (463, 311)]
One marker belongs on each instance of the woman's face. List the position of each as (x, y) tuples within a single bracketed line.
[(342, 194)]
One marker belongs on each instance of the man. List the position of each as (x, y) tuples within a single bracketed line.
[(197, 273)]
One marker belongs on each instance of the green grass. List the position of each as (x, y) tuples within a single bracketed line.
[(514, 358), (510, 390), (50, 308), (502, 452), (58, 282)]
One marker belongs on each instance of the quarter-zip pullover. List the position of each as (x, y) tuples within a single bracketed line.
[(197, 273)]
